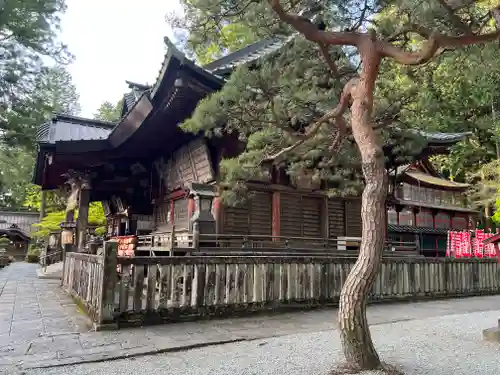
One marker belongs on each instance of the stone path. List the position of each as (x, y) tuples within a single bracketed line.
[(445, 345), (40, 326), (31, 308)]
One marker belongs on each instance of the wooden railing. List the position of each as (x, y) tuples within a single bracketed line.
[(83, 278), (148, 290), (222, 244), (154, 290)]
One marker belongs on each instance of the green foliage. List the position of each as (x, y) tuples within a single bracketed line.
[(455, 93), (52, 92), (28, 40), (286, 93), (55, 200), (485, 192), (235, 37), (33, 254), (16, 166), (52, 221), (109, 111), (4, 242)]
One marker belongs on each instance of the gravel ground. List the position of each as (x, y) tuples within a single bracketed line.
[(448, 345)]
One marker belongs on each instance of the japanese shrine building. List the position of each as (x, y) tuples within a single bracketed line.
[(149, 174)]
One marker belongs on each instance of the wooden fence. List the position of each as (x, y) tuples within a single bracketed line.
[(83, 278), (150, 290)]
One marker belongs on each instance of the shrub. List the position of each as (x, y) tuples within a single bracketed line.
[(32, 258), (33, 255)]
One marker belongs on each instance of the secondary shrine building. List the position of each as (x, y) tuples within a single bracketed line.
[(159, 184)]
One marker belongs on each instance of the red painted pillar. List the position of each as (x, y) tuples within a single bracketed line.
[(172, 212)]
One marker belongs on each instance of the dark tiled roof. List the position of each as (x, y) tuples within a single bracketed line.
[(436, 137), (72, 128), (412, 229), (405, 202), (173, 53), (130, 98), (247, 54)]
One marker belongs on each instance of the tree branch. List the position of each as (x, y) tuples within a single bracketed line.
[(312, 130), (455, 20), (432, 46), (311, 32), (329, 61)]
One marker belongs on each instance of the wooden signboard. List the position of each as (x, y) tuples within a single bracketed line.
[(67, 237)]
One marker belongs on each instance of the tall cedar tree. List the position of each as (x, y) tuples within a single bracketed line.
[(28, 34), (280, 130)]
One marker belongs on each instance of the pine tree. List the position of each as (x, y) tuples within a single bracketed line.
[(304, 113)]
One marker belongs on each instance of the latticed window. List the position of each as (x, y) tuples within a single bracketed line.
[(407, 217), (443, 220), (425, 219), (392, 216)]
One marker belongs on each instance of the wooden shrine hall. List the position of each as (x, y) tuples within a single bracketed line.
[(158, 185)]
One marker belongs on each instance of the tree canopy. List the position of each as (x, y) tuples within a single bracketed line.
[(28, 38), (108, 111), (456, 92), (286, 110), (53, 92), (53, 220)]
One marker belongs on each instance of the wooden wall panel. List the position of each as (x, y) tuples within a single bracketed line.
[(311, 216), (336, 217), (291, 215), (190, 163), (235, 220), (301, 216), (161, 214), (254, 217), (353, 217), (261, 217), (181, 214)]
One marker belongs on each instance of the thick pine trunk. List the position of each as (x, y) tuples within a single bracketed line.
[(356, 340)]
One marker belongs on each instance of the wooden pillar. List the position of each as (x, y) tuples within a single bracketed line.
[(217, 214), (83, 216), (109, 281), (276, 216), (171, 212), (43, 202)]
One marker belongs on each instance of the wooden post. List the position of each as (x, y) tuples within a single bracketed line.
[(43, 202), (108, 286), (83, 216)]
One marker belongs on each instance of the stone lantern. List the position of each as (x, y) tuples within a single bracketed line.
[(202, 220)]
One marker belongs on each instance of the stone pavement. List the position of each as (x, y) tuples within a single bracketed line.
[(31, 308), (42, 327)]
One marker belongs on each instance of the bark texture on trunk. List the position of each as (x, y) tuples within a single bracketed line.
[(355, 335)]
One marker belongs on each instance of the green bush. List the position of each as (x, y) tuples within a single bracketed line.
[(32, 258), (33, 255)]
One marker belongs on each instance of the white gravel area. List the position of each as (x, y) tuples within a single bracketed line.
[(448, 345)]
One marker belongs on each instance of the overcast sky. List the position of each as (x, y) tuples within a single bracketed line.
[(114, 41)]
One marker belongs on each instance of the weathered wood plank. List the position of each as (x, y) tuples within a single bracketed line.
[(138, 287), (214, 285), (177, 285), (210, 285), (151, 291), (165, 286), (124, 287), (220, 284)]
